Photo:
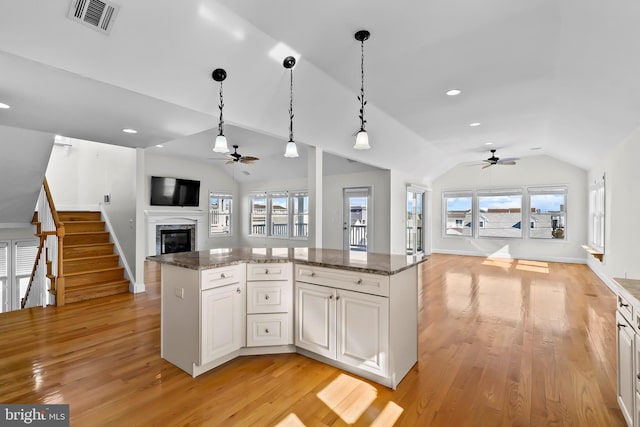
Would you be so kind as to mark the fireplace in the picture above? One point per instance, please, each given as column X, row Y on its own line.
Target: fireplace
column 172, row 241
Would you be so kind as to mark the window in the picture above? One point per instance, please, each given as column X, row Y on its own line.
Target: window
column 547, row 211
column 279, row 214
column 17, row 258
column 258, row 215
column 597, row 215
column 220, row 205
column 5, row 299
column 458, row 215
column 501, row 212
column 300, row 214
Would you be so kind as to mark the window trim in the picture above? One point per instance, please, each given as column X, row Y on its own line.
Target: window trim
column 552, row 189
column 292, row 214
column 457, row 194
column 268, row 196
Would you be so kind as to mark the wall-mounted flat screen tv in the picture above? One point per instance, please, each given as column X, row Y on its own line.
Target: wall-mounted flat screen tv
column 174, row 192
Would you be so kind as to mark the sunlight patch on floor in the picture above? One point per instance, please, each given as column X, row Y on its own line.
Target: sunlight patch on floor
column 291, row 420
column 348, row 397
column 499, row 262
column 533, row 266
column 388, row 416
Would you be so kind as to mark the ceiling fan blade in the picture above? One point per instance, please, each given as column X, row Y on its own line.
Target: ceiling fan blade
column 229, row 162
column 250, row 158
column 487, row 165
column 511, row 163
column 508, row 159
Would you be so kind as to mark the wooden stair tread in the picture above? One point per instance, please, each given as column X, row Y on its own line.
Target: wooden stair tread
column 108, row 283
column 97, row 270
column 77, row 245
column 91, row 257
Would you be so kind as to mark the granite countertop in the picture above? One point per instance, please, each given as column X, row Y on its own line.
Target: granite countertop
column 368, row 262
column 631, row 286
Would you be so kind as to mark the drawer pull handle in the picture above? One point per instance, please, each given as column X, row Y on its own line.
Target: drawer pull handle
column 222, row 275
column 266, row 271
column 238, row 290
column 266, row 297
column 266, row 331
column 623, row 304
column 620, row 325
column 359, row 282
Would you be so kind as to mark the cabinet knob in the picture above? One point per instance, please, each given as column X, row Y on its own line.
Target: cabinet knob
column 359, row 282
column 222, row 275
column 266, row 271
column 266, row 297
column 620, row 325
column 338, row 297
column 638, row 376
column 313, row 274
column 238, row 290
column 266, row 331
column 330, row 296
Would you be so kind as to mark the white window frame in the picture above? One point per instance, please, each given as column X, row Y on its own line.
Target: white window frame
column 293, row 214
column 536, row 191
column 457, row 194
column 513, row 191
column 252, row 198
column 221, row 195
column 270, row 223
column 20, row 258
column 597, row 215
column 268, row 196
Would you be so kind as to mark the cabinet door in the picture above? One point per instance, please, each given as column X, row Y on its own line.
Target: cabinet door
column 316, row 319
column 222, row 322
column 626, row 377
column 363, row 331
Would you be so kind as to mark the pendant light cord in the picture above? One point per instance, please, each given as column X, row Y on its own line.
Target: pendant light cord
column 291, row 108
column 220, row 106
column 361, row 97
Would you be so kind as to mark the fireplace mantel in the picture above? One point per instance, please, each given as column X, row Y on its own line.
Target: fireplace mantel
column 168, row 217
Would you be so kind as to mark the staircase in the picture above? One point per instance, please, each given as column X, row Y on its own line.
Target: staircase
column 91, row 267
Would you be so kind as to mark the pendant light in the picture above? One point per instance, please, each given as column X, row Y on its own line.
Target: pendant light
column 362, row 138
column 291, row 150
column 220, row 146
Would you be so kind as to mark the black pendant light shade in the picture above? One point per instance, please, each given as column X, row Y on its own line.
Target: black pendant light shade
column 219, row 75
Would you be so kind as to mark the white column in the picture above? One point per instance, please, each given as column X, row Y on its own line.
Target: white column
column 315, row 196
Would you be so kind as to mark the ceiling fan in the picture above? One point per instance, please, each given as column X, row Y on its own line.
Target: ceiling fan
column 493, row 160
column 236, row 157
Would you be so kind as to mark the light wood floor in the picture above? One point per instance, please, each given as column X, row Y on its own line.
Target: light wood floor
column 502, row 342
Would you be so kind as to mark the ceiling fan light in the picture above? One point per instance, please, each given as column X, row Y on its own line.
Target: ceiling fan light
column 291, row 150
column 221, row 144
column 362, row 141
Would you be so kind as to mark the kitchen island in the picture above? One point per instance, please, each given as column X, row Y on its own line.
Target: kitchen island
column 357, row 311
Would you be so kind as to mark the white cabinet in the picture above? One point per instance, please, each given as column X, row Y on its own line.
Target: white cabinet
column 222, row 321
column 361, row 322
column 363, row 331
column 625, row 338
column 316, row 319
column 350, row 327
column 269, row 304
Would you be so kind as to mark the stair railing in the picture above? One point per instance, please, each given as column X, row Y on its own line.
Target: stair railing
column 48, row 267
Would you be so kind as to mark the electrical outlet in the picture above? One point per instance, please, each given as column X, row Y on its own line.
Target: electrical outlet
column 180, row 293
column 107, row 198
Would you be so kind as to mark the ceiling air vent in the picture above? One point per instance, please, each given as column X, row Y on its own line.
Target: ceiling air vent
column 96, row 14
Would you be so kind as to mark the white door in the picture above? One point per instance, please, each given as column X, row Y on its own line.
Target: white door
column 626, row 379
column 223, row 321
column 363, row 331
column 357, row 219
column 316, row 319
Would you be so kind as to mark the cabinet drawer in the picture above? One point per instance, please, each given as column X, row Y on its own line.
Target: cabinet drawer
column 625, row 308
column 273, row 271
column 268, row 329
column 344, row 279
column 269, row 297
column 221, row 276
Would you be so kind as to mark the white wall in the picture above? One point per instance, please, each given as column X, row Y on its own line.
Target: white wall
column 211, row 177
column 80, row 175
column 622, row 233
column 379, row 181
column 530, row 171
column 266, row 242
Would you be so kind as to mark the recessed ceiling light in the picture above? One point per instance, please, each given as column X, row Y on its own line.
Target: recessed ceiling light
column 488, row 143
column 454, row 92
column 2, row 105
column 474, row 124
column 536, row 148
column 160, row 146
column 129, row 130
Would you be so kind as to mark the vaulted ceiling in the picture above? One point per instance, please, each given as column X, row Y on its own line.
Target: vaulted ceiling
column 541, row 77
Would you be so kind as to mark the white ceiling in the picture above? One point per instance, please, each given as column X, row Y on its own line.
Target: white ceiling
column 561, row 76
